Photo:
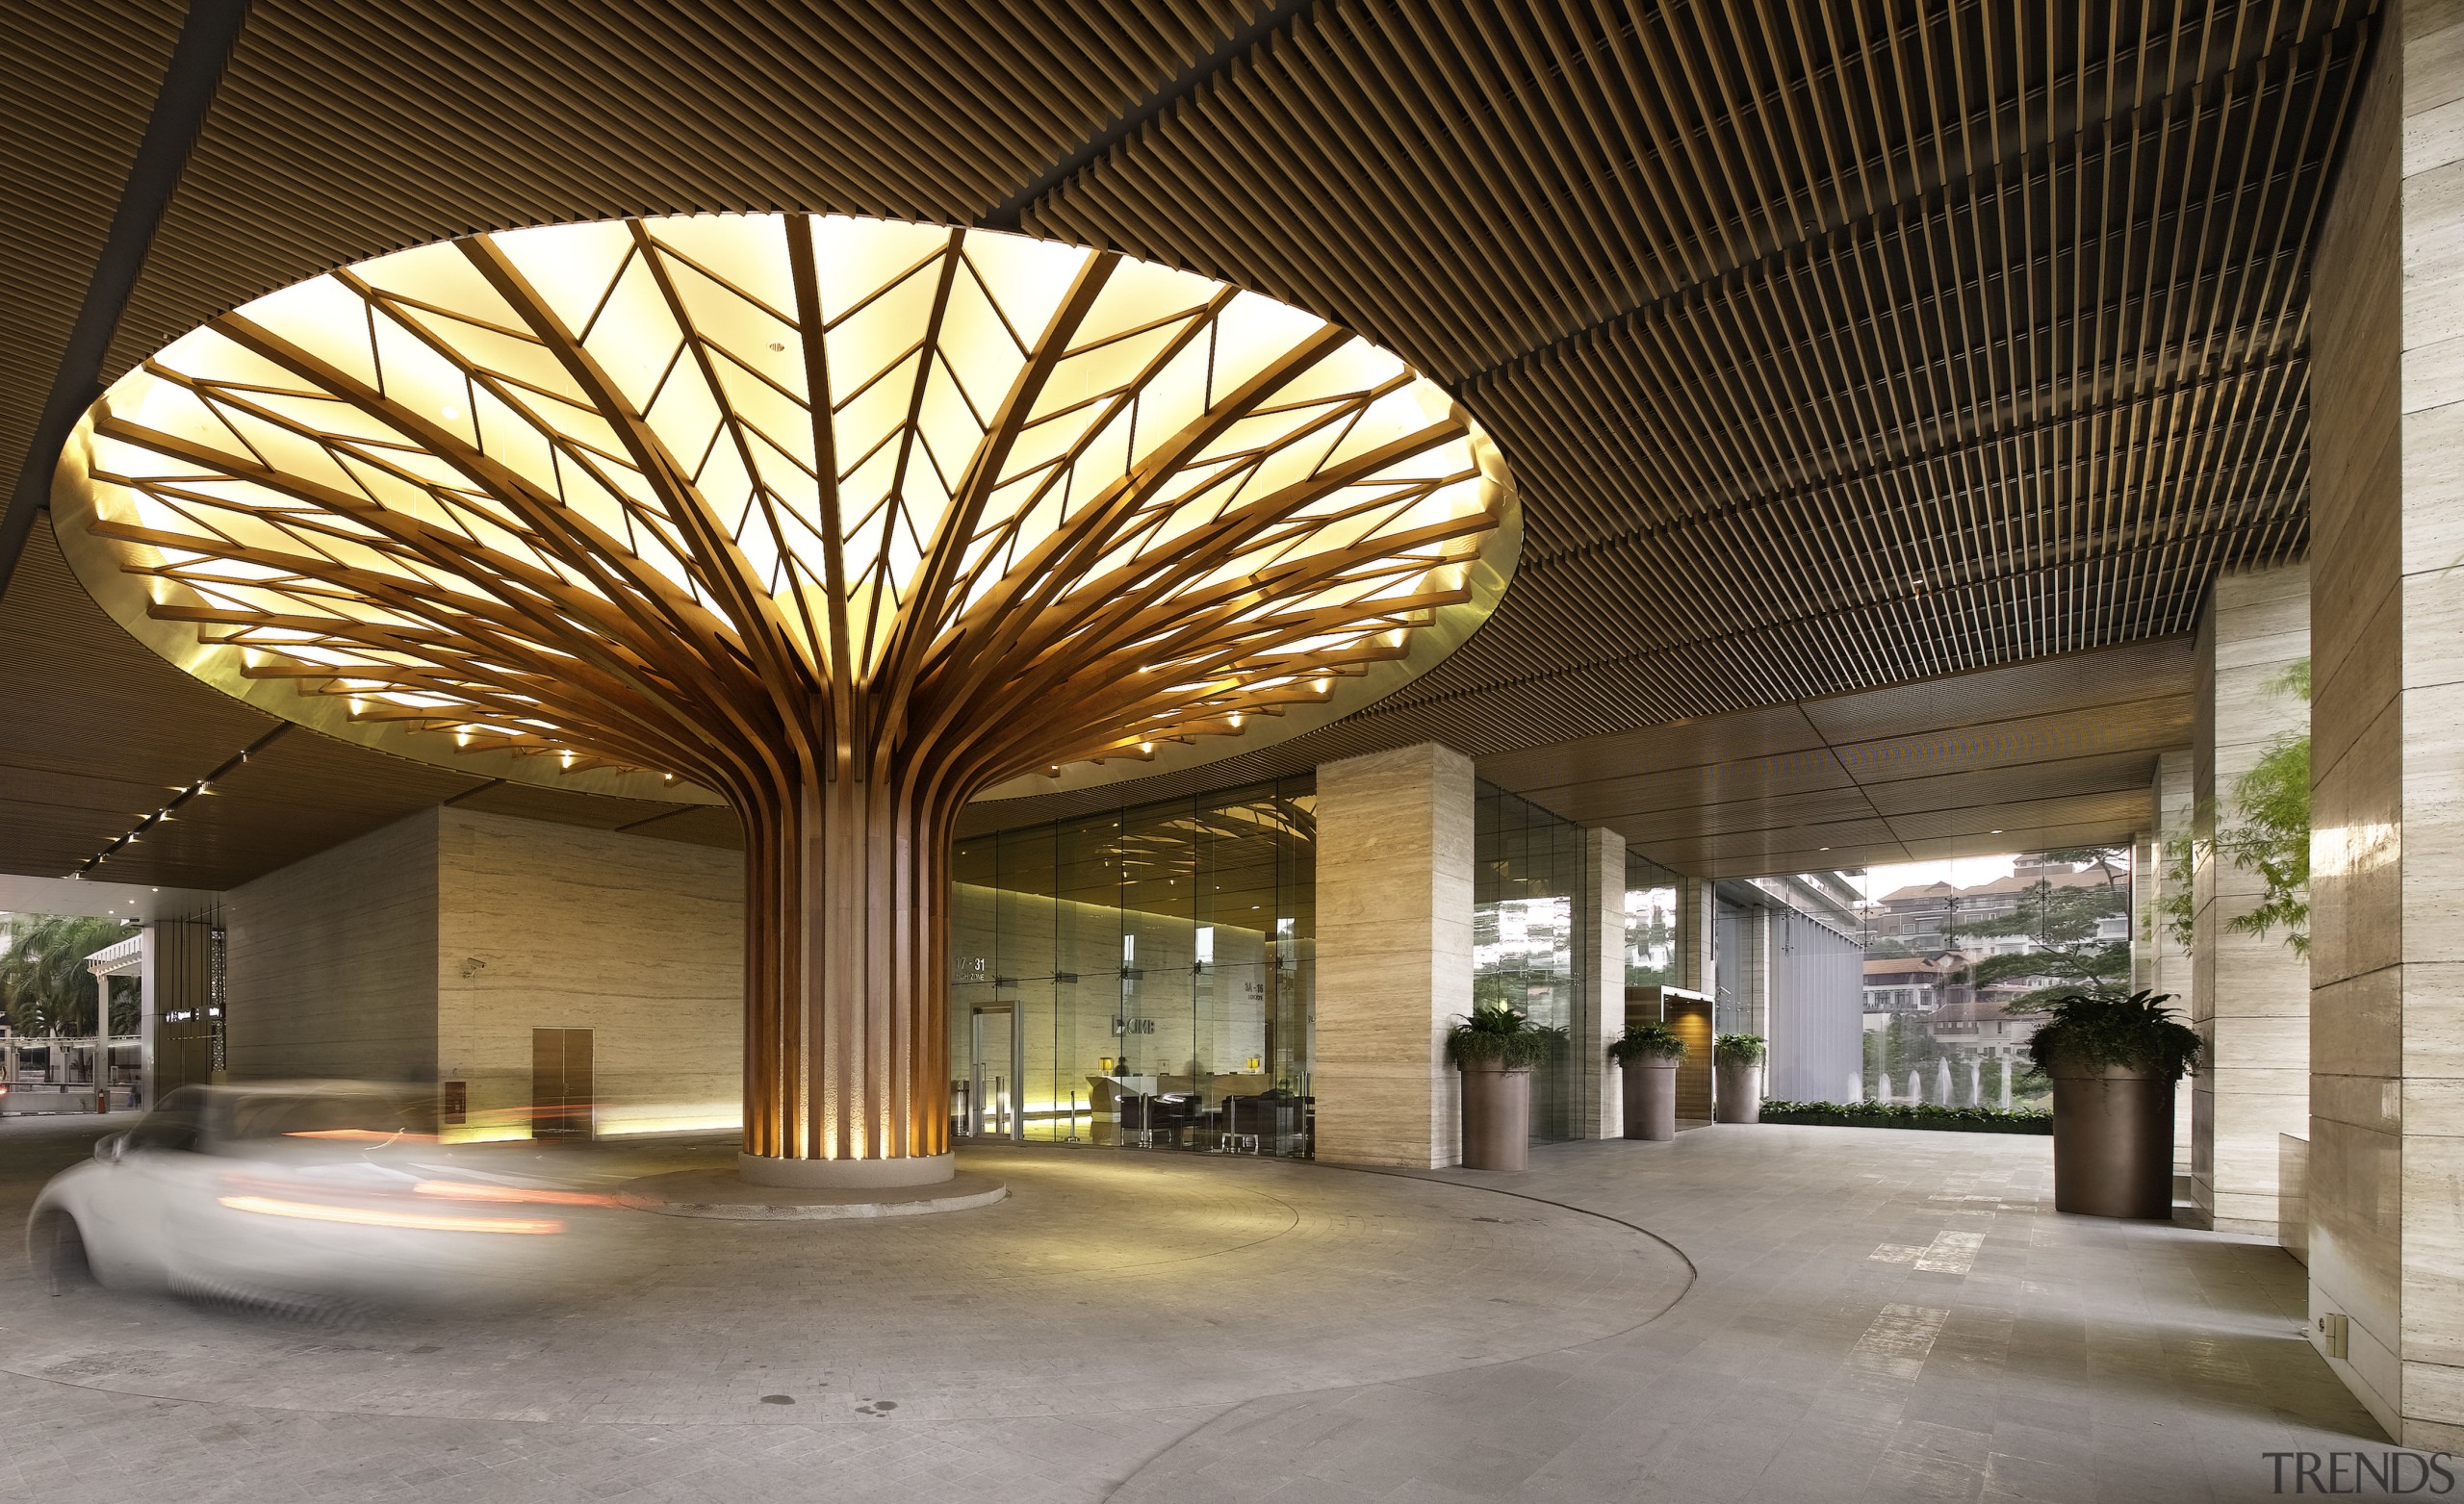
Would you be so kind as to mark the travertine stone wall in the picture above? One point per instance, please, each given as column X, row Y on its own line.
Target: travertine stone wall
column 1697, row 916
column 2387, row 846
column 331, row 963
column 1394, row 954
column 2249, row 995
column 1599, row 1106
column 2158, row 964
column 639, row 941
column 429, row 950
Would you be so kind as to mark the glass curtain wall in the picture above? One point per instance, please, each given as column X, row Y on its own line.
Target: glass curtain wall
column 1142, row 978
column 1651, row 925
column 1526, row 952
column 1731, row 949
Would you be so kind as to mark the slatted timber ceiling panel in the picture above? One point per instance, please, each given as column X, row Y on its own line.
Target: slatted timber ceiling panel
column 79, row 83
column 1836, row 343
column 99, row 734
column 348, row 129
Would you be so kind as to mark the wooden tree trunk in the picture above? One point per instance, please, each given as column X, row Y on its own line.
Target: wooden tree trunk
column 846, row 1079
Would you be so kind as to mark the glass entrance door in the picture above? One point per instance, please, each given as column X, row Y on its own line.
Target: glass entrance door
column 997, row 1074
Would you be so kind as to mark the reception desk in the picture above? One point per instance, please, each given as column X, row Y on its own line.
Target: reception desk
column 1242, row 1113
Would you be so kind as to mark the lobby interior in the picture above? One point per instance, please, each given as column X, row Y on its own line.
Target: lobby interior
column 1602, row 462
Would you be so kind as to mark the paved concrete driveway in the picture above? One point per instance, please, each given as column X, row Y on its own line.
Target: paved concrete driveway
column 1747, row 1313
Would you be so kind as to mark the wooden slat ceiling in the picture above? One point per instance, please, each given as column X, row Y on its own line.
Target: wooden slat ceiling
column 1836, row 343
column 101, row 734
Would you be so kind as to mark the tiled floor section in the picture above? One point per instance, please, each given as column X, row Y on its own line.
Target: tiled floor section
column 1882, row 1316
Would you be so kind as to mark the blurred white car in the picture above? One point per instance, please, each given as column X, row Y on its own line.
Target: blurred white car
column 299, row 1194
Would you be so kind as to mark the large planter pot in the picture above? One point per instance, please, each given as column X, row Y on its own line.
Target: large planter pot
column 1651, row 1098
column 1497, row 1115
column 2113, row 1142
column 1738, row 1097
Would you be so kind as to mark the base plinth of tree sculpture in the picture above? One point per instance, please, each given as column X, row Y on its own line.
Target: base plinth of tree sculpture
column 840, row 522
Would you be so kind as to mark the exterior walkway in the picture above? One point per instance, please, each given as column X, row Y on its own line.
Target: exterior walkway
column 1813, row 1314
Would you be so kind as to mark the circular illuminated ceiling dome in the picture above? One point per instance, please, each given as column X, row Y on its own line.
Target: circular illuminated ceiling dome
column 645, row 506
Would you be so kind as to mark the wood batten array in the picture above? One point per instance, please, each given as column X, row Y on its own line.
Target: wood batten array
column 1846, row 343
column 1835, row 344
column 842, row 522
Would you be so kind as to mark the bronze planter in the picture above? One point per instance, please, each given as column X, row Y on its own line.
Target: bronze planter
column 1738, row 1097
column 1497, row 1115
column 1651, row 1098
column 2113, row 1142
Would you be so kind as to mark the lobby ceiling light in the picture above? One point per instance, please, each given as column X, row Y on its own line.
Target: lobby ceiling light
column 743, row 501
column 170, row 811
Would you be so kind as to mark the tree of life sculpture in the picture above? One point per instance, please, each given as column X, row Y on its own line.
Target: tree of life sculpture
column 841, row 521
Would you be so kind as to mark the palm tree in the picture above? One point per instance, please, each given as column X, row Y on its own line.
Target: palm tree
column 46, row 989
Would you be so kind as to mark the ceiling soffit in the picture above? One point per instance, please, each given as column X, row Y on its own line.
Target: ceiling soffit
column 1835, row 346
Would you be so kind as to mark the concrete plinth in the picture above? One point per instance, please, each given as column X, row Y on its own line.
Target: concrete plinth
column 761, row 1169
column 729, row 1197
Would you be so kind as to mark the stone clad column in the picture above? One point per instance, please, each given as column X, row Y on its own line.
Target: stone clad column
column 2249, row 995
column 1599, row 1012
column 2387, row 822
column 2158, row 964
column 1394, row 954
column 1697, row 916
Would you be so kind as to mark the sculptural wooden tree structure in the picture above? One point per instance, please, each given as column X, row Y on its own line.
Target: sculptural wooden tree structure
column 843, row 522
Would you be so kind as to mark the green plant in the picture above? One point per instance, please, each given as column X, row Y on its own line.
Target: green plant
column 2268, row 835
column 1658, row 1041
column 2178, row 908
column 2137, row 1031
column 2274, row 839
column 1739, row 1049
column 1905, row 1114
column 1500, row 1034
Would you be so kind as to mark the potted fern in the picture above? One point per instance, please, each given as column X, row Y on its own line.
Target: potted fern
column 1736, row 1062
column 1650, row 1054
column 2114, row 1062
column 1496, row 1049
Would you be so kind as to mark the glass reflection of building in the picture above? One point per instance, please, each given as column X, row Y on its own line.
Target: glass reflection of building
column 1651, row 924
column 1141, row 978
column 1527, row 951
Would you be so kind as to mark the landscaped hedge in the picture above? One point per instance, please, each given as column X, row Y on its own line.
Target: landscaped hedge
column 1904, row 1114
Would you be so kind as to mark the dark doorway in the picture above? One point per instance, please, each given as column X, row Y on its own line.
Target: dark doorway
column 561, row 1084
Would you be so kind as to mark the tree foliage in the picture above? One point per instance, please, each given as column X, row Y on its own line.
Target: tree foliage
column 2272, row 841
column 2068, row 955
column 44, row 986
column 2265, row 831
